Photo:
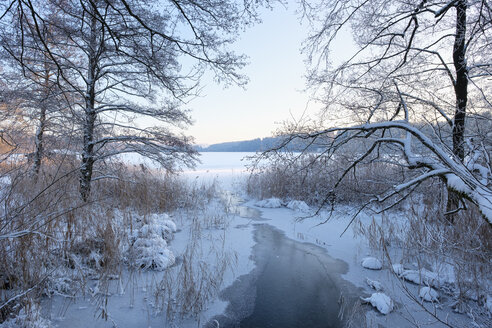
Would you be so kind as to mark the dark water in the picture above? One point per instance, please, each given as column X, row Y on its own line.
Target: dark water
column 294, row 285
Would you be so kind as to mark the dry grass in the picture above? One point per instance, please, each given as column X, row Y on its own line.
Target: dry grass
column 465, row 245
column 314, row 179
column 52, row 242
column 459, row 253
column 187, row 288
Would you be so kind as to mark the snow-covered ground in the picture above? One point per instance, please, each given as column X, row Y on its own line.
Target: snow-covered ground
column 230, row 232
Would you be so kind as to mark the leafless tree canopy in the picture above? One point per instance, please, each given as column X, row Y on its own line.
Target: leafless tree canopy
column 118, row 61
column 418, row 86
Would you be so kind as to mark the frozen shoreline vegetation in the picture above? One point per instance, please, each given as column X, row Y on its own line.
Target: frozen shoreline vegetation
column 175, row 250
column 119, row 249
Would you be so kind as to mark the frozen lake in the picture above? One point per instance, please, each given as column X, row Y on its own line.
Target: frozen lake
column 227, row 168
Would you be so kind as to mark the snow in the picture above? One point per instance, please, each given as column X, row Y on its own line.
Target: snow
column 372, row 263
column 295, row 205
column 229, row 168
column 298, row 205
column 269, row 203
column 420, row 277
column 158, row 225
column 381, row 302
column 237, row 237
column 376, row 285
column 488, row 304
column 32, row 320
column 170, row 224
column 398, row 269
column 5, row 180
column 428, row 294
column 149, row 249
column 481, row 195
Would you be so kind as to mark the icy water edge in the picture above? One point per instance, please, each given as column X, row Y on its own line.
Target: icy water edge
column 294, row 284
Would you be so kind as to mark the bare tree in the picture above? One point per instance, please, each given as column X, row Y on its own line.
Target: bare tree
column 34, row 96
column 417, row 85
column 126, row 59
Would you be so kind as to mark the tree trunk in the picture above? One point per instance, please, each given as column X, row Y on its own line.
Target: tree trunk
column 90, row 115
column 38, row 153
column 461, row 93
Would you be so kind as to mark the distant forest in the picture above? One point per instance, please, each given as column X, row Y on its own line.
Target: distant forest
column 258, row 145
column 253, row 145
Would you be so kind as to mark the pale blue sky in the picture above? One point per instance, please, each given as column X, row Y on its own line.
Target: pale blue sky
column 276, row 82
column 274, row 91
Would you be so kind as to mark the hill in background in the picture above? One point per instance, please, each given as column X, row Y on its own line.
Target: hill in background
column 256, row 145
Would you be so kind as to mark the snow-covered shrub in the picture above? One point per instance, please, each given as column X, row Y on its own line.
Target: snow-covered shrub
column 152, row 253
column 160, row 225
column 421, row 277
column 149, row 249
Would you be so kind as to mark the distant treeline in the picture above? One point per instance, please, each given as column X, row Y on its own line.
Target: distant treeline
column 254, row 145
column 258, row 145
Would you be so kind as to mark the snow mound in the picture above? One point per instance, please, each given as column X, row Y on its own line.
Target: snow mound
column 421, row 277
column 298, row 205
column 163, row 228
column 152, row 253
column 149, row 249
column 380, row 301
column 170, row 224
column 429, row 294
column 269, row 203
column 374, row 284
column 398, row 269
column 488, row 304
column 372, row 263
